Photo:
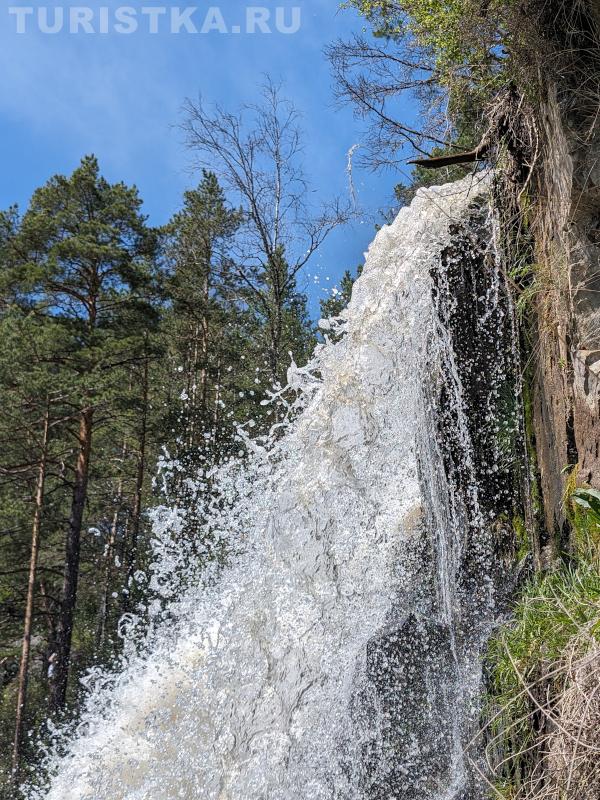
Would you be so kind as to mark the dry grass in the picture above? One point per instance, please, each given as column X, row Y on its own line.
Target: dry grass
column 573, row 745
column 542, row 737
column 559, row 756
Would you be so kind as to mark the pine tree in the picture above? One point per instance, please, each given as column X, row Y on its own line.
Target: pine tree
column 339, row 298
column 285, row 318
column 203, row 289
column 81, row 259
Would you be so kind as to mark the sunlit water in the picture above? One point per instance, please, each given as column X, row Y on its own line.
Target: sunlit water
column 254, row 683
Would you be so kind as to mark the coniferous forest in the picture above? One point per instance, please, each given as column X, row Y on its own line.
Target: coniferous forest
column 121, row 346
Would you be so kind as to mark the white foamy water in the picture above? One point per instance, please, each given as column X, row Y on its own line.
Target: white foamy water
column 246, row 689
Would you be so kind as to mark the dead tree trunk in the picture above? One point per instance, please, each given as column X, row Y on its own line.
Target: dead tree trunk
column 436, row 162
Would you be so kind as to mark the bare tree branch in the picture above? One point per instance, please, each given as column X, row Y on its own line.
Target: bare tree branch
column 257, row 154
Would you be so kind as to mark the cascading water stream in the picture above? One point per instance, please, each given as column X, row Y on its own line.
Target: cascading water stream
column 330, row 656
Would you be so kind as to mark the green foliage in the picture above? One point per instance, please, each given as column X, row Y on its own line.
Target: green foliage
column 454, row 57
column 283, row 314
column 589, row 499
column 459, row 33
column 458, row 40
column 339, row 298
column 203, row 291
column 583, row 506
column 551, row 611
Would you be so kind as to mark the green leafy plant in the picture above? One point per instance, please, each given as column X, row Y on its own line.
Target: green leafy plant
column 589, row 499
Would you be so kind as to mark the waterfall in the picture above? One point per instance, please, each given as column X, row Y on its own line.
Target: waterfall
column 331, row 650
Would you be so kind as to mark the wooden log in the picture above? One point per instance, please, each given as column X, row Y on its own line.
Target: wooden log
column 436, row 162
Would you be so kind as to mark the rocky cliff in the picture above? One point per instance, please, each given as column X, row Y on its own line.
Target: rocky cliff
column 567, row 250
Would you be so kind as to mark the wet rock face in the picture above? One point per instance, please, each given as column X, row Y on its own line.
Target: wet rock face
column 484, row 456
column 472, row 304
column 413, row 672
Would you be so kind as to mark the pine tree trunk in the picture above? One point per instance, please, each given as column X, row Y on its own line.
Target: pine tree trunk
column 109, row 556
column 199, row 366
column 28, row 621
column 49, row 617
column 108, row 562
column 204, row 373
column 217, row 409
column 139, row 489
column 192, row 385
column 60, row 667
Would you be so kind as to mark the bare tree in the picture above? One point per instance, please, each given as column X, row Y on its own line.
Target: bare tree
column 372, row 76
column 257, row 154
column 401, row 61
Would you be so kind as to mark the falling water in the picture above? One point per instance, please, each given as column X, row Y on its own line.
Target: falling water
column 328, row 651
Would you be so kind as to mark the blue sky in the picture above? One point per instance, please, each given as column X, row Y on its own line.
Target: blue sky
column 119, row 96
